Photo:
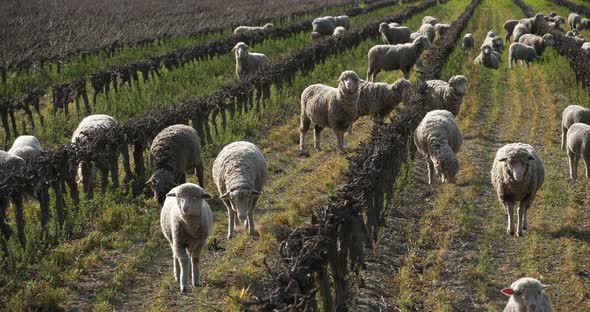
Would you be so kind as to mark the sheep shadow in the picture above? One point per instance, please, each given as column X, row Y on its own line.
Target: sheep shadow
column 568, row 231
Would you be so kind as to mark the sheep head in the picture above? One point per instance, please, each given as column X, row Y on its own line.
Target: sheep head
column 548, row 39
column 402, row 89
column 241, row 201
column 491, row 34
column 516, row 163
column 383, row 27
column 553, row 14
column 268, row 26
column 315, row 35
column 486, row 50
column 189, row 198
column 527, row 292
column 459, row 84
column 241, row 50
column 348, row 82
column 446, row 164
column 161, row 182
column 423, row 43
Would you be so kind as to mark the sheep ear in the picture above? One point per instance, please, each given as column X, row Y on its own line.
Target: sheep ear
column 150, row 181
column 171, row 194
column 257, row 193
column 206, row 195
column 531, row 157
column 502, row 159
column 544, row 286
column 507, row 291
column 225, row 195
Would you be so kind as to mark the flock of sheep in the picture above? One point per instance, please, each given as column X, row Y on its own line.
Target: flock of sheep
column 240, row 169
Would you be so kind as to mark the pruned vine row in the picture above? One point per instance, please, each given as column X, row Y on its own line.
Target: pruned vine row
column 580, row 9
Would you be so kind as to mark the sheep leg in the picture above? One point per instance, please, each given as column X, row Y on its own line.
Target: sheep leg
column 4, row 227
column 250, row 220
column 195, row 259
column 17, row 201
column 303, row 128
column 406, row 72
column 104, row 172
column 510, row 210
column 88, row 180
column 231, row 215
column 586, row 158
column 317, row 130
column 563, row 137
column 524, row 204
column 573, row 162
column 176, row 265
column 431, row 171
column 200, row 173
column 115, row 172
column 182, row 257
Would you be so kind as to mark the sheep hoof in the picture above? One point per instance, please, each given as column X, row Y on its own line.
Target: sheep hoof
column 510, row 232
column 230, row 235
column 183, row 289
column 197, row 284
column 520, row 234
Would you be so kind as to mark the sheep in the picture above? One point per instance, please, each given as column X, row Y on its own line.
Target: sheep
column 539, row 43
column 586, row 46
column 573, row 33
column 186, row 220
column 441, row 29
column 323, row 26
column 239, row 172
column 429, row 20
column 509, row 27
column 379, row 99
column 573, row 20
column 446, row 95
column 527, row 294
column 10, row 166
column 427, row 31
column 247, row 29
column 394, row 35
column 517, row 174
column 530, row 23
column 488, row 57
column 571, row 115
column 519, row 31
column 519, row 51
column 174, row 150
column 329, row 107
column 343, row 21
column 553, row 14
column 396, row 57
column 414, row 35
column 578, row 146
column 247, row 62
column 438, row 139
column 585, row 24
column 468, row 42
column 93, row 126
column 494, row 41
column 338, row 31
column 27, row 147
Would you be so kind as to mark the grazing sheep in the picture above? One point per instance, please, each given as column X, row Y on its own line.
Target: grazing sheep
column 446, row 95
column 573, row 33
column 394, row 35
column 571, row 115
column 414, row 35
column 519, row 51
column 427, row 31
column 429, row 20
column 509, row 27
column 343, row 21
column 488, row 57
column 92, row 126
column 247, row 62
column 517, row 174
column 396, row 57
column 539, row 43
column 438, row 139
column 586, row 46
column 186, row 221
column 441, row 29
column 379, row 99
column 174, row 150
column 531, row 22
column 556, row 23
column 26, row 147
column 240, row 171
column 578, row 146
column 573, row 20
column 12, row 165
column 494, row 41
column 247, row 29
column 527, row 294
column 585, row 24
column 468, row 42
column 338, row 31
column 394, row 25
column 519, row 31
column 328, row 107
column 323, row 26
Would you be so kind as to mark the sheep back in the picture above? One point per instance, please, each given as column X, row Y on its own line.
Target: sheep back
column 239, row 166
column 504, row 184
column 428, row 31
column 93, row 124
column 27, row 147
column 575, row 114
column 176, row 149
column 327, row 107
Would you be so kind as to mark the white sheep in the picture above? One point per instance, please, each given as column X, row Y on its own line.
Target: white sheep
column 571, row 115
column 427, row 31
column 527, row 294
column 329, row 107
column 446, row 95
column 585, row 24
column 394, row 34
column 578, row 146
column 519, row 51
column 539, row 43
column 531, row 22
column 441, row 29
column 488, row 57
column 343, row 21
column 323, row 26
column 338, row 31
column 396, row 57
column 495, row 42
column 247, row 29
column 438, row 139
column 429, row 20
column 239, row 172
column 186, row 220
column 27, row 147
column 573, row 20
column 379, row 99
column 12, row 166
column 247, row 62
column 509, row 27
column 468, row 42
column 174, row 150
column 517, row 174
column 519, row 30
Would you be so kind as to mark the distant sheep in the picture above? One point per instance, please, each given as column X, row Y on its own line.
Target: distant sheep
column 174, row 150
column 379, row 99
column 394, row 35
column 26, row 147
column 329, row 107
column 429, row 20
column 494, row 41
column 240, row 172
column 438, row 139
column 519, row 31
column 509, row 27
column 573, row 20
column 441, row 29
column 338, row 31
column 396, row 57
column 427, row 31
column 11, row 164
column 342, row 21
column 446, row 95
column 517, row 174
column 585, row 24
column 186, row 220
column 322, row 26
column 527, row 294
column 468, row 42
column 519, row 51
column 586, row 46
column 247, row 62
column 247, row 29
column 571, row 115
column 488, row 57
column 578, row 146
column 531, row 23
column 539, row 43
